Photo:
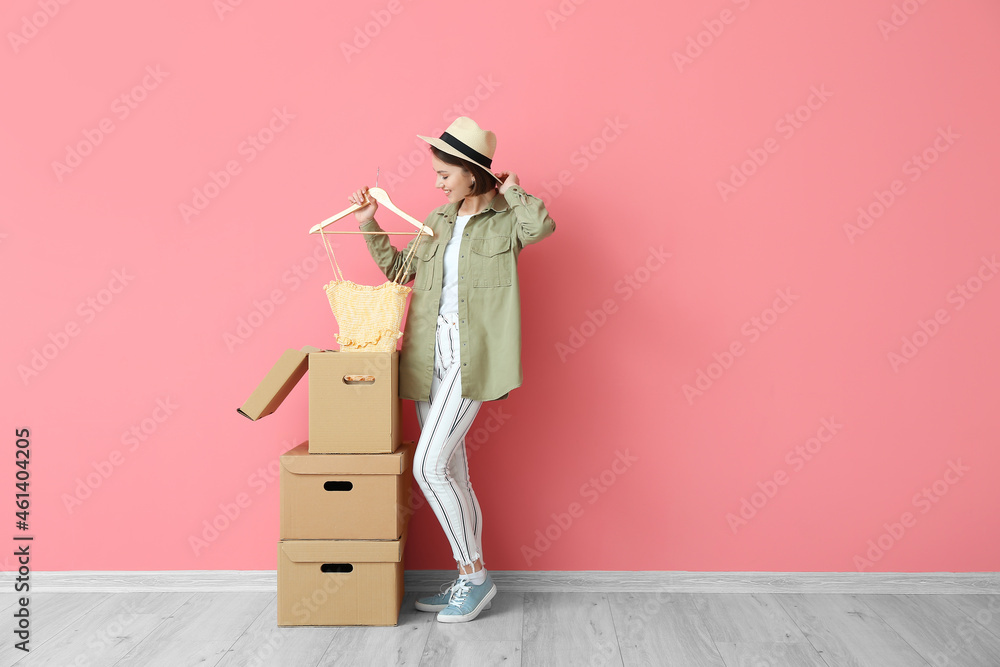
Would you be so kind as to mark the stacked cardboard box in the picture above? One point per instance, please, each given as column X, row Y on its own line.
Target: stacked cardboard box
column 344, row 513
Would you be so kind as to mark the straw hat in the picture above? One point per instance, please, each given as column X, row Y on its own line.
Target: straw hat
column 465, row 139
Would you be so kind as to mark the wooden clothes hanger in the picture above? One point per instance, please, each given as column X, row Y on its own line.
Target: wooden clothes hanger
column 382, row 197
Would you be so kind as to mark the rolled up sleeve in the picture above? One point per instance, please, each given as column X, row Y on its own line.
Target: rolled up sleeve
column 532, row 221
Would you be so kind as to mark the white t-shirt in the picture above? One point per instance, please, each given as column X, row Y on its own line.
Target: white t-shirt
column 449, row 290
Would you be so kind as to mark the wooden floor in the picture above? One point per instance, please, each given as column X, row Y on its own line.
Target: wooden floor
column 177, row 629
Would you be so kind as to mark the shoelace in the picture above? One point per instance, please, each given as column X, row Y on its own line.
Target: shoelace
column 446, row 588
column 460, row 591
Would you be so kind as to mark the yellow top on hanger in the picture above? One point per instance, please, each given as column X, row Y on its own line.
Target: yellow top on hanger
column 369, row 317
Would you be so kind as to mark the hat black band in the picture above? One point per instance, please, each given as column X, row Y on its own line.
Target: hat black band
column 458, row 145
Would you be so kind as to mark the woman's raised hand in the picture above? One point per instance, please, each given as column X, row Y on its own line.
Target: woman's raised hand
column 366, row 212
column 507, row 179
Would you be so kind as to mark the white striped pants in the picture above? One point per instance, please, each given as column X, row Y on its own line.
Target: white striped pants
column 440, row 465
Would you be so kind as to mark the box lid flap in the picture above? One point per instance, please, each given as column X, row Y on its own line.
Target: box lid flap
column 345, row 551
column 277, row 384
column 299, row 461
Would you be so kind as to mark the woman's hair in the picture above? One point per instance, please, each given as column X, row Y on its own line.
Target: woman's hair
column 484, row 180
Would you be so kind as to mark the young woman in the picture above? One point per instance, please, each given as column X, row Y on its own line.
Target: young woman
column 462, row 340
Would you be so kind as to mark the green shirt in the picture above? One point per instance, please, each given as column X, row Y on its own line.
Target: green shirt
column 489, row 303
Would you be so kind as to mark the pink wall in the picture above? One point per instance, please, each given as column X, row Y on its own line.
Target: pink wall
column 850, row 368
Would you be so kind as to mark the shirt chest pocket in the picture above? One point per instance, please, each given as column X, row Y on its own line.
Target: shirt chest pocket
column 492, row 261
column 424, row 264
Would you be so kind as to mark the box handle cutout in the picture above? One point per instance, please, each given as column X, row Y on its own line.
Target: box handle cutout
column 359, row 379
column 338, row 486
column 336, row 567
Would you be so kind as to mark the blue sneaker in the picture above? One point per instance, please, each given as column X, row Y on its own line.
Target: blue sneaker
column 440, row 601
column 467, row 600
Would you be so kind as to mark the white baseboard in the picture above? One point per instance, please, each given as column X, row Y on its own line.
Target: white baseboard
column 538, row 581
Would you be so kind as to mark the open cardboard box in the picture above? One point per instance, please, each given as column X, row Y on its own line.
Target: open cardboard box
column 353, row 398
column 340, row 582
column 345, row 496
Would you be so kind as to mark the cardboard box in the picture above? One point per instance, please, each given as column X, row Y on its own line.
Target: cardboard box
column 340, row 582
column 353, row 398
column 354, row 402
column 345, row 496
column 277, row 384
